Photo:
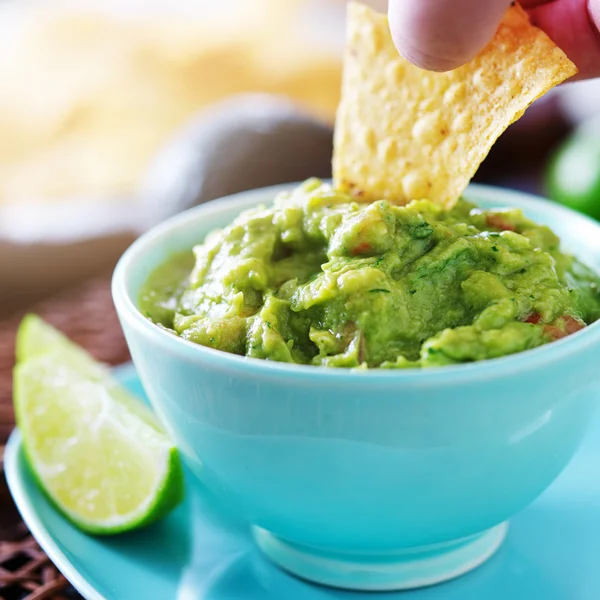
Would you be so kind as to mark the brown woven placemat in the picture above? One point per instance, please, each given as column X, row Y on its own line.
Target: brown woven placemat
column 86, row 314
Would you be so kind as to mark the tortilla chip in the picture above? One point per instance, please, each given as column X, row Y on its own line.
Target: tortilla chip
column 403, row 133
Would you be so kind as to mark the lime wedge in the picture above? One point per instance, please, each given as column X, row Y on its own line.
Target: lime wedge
column 36, row 338
column 98, row 453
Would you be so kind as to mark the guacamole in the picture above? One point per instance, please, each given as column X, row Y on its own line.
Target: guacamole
column 320, row 278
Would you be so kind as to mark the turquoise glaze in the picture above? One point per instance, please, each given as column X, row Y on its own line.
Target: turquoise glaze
column 370, row 471
column 203, row 552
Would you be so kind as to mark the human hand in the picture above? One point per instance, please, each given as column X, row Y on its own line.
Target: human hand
column 440, row 35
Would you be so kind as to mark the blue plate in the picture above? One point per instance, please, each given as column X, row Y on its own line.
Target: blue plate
column 200, row 552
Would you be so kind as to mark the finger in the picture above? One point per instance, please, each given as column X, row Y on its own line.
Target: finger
column 440, row 35
column 533, row 3
column 574, row 25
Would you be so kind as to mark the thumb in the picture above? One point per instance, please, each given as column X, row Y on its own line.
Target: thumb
column 441, row 35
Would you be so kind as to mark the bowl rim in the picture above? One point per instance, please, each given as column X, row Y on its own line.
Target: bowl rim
column 486, row 369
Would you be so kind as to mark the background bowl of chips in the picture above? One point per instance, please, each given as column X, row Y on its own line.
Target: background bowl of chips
column 97, row 91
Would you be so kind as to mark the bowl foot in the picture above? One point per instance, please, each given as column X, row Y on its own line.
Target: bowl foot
column 398, row 570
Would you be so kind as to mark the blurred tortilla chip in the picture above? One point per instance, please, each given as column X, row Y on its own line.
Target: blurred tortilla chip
column 403, row 133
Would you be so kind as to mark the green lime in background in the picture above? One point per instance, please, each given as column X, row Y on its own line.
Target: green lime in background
column 573, row 176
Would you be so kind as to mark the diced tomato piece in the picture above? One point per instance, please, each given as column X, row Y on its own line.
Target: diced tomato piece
column 362, row 248
column 533, row 318
column 572, row 324
column 554, row 332
column 497, row 222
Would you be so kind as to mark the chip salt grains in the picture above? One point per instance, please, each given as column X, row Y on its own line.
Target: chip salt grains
column 403, row 133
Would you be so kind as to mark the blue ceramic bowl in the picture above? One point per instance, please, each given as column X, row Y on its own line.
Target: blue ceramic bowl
column 367, row 479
